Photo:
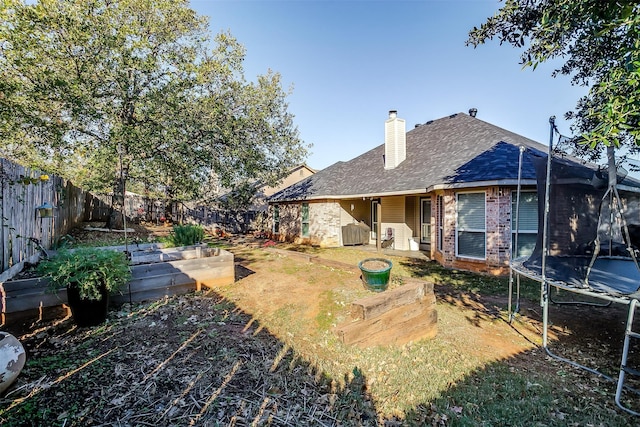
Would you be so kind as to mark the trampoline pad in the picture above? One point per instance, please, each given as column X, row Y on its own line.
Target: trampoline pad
column 611, row 275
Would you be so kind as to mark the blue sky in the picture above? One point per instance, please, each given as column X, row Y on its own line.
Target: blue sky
column 350, row 62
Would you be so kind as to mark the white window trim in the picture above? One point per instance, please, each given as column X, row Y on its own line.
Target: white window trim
column 374, row 225
column 422, row 201
column 513, row 219
column 472, row 230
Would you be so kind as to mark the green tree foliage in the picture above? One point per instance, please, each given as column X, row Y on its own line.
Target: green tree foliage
column 599, row 44
column 96, row 90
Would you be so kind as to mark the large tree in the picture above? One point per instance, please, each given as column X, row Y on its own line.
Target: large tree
column 598, row 43
column 113, row 91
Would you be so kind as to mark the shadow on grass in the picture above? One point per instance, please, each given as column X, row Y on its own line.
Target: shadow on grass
column 200, row 360
column 185, row 360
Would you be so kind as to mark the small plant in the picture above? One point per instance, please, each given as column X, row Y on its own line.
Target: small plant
column 88, row 270
column 185, row 235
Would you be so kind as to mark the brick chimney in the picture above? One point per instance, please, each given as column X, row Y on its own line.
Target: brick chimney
column 395, row 141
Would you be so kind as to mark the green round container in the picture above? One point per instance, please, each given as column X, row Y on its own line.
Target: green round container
column 376, row 280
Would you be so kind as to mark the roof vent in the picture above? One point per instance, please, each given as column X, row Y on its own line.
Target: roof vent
column 473, row 112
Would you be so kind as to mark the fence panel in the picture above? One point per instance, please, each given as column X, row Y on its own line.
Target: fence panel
column 22, row 190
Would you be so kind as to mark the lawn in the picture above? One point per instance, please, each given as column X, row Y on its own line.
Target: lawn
column 264, row 351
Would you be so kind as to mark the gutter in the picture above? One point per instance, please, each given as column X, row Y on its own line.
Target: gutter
column 505, row 182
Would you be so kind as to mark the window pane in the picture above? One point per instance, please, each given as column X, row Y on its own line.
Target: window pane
column 305, row 212
column 526, row 243
column 426, row 211
column 305, row 229
column 528, row 212
column 471, row 211
column 471, row 244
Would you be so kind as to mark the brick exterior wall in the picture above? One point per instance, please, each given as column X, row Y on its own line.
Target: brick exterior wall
column 325, row 229
column 498, row 233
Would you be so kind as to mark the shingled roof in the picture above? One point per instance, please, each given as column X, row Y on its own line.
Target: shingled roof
column 455, row 151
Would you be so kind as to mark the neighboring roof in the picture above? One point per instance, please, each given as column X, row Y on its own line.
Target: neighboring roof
column 261, row 189
column 454, row 151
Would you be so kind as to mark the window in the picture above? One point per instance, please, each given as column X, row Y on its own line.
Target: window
column 305, row 219
column 470, row 229
column 374, row 219
column 440, row 219
column 527, row 223
column 425, row 221
column 276, row 218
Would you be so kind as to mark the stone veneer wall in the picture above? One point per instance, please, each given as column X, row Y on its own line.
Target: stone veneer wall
column 324, row 223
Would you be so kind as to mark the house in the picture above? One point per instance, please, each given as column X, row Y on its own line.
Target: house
column 296, row 174
column 244, row 210
column 446, row 187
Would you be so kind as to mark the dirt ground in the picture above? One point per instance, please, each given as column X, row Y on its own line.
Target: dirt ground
column 209, row 359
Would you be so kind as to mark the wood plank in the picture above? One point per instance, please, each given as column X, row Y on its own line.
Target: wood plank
column 33, row 299
column 375, row 305
column 17, row 285
column 408, row 322
column 140, row 295
column 421, row 327
column 144, row 270
column 384, row 321
column 299, row 255
column 336, row 264
column 212, row 278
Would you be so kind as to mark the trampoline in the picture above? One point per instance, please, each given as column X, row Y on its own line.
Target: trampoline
column 583, row 245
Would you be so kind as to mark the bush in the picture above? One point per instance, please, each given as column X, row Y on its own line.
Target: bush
column 185, row 235
column 87, row 270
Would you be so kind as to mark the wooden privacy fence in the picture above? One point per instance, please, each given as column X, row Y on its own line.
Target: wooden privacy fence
column 22, row 229
column 22, row 190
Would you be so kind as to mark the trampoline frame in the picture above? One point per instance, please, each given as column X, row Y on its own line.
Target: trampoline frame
column 518, row 269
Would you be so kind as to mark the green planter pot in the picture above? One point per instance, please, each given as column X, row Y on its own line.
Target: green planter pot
column 375, row 277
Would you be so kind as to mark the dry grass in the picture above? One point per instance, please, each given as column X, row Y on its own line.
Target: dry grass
column 263, row 352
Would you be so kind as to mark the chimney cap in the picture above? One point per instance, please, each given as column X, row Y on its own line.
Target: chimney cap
column 393, row 114
column 473, row 112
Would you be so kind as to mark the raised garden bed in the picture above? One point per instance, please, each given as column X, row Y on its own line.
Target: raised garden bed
column 156, row 272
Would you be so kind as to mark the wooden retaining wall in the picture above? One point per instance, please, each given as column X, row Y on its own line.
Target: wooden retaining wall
column 393, row 317
column 398, row 316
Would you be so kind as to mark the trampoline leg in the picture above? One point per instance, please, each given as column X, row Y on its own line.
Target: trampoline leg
column 628, row 334
column 509, row 313
column 544, row 303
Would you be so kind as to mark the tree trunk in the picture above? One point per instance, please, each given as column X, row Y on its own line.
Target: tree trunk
column 169, row 202
column 116, row 213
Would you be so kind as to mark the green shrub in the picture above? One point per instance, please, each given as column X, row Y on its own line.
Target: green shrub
column 185, row 235
column 87, row 270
